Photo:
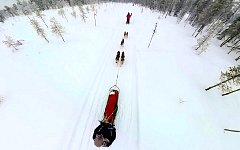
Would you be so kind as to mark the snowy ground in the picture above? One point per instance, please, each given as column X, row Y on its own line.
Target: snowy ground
column 54, row 94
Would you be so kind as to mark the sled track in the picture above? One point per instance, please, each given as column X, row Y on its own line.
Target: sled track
column 129, row 112
column 127, row 118
column 91, row 98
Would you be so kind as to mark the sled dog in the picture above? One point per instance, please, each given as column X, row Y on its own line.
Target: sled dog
column 117, row 56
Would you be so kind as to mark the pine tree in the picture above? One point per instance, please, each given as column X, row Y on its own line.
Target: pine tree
column 39, row 4
column 162, row 6
column 92, row 6
column 234, row 33
column 56, row 28
column 40, row 15
column 237, row 58
column 24, row 7
column 214, row 11
column 9, row 10
column 87, row 8
column 235, row 47
column 94, row 14
column 2, row 17
column 170, row 6
column 178, row 7
column 61, row 4
column 230, row 81
column 14, row 44
column 204, row 42
column 73, row 13
column 82, row 13
column 62, row 13
column 232, row 85
column 40, row 31
column 15, row 10
column 78, row 2
column 186, row 7
column 229, row 28
column 195, row 11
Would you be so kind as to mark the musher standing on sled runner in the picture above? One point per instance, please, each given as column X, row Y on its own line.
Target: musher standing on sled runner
column 105, row 133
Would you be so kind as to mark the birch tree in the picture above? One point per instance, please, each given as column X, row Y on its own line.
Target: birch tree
column 73, row 13
column 82, row 13
column 61, row 12
column 56, row 28
column 40, row 15
column 40, row 31
column 203, row 42
column 229, row 81
column 14, row 44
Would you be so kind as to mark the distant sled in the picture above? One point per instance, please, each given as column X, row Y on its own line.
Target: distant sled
column 105, row 133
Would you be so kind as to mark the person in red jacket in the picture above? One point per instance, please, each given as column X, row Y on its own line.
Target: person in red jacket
column 128, row 17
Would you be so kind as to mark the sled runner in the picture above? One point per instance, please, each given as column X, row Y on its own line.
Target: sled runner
column 105, row 133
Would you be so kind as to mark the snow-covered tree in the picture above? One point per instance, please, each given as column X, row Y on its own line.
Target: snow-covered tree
column 229, row 29
column 170, row 6
column 93, row 7
column 237, row 58
column 229, row 81
column 24, row 7
column 87, row 8
column 62, row 13
column 2, row 16
column 185, row 9
column 162, row 6
column 232, row 85
column 61, row 3
column 234, row 32
column 40, row 31
column 82, row 13
column 15, row 9
column 9, row 10
column 40, row 15
column 203, row 42
column 196, row 9
column 14, row 44
column 73, row 13
column 179, row 4
column 39, row 4
column 70, row 3
column 56, row 28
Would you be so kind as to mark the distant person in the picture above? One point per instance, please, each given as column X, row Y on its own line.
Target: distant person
column 128, row 17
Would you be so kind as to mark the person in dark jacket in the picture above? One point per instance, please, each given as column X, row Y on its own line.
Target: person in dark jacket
column 128, row 17
column 104, row 134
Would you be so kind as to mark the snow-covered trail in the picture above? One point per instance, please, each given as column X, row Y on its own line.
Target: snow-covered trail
column 54, row 94
column 95, row 101
column 127, row 121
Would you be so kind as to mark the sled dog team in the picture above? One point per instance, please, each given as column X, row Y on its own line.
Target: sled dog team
column 105, row 133
column 119, row 55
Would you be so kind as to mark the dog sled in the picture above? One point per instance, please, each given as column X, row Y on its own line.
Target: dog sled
column 105, row 133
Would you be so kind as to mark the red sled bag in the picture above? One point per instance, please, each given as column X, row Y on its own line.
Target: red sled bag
column 105, row 133
column 112, row 105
